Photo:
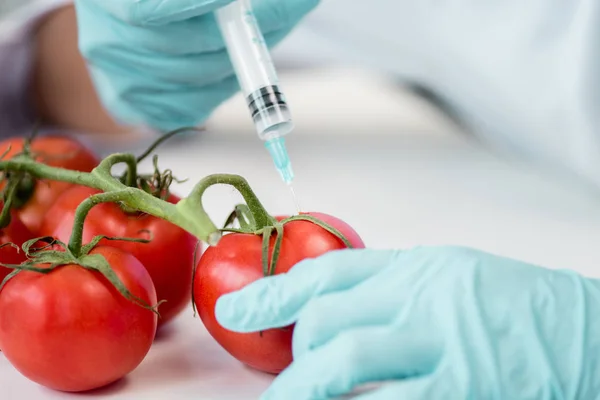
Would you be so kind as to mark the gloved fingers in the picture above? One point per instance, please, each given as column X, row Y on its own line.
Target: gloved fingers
column 276, row 301
column 274, row 15
column 155, row 12
column 195, row 70
column 353, row 358
column 325, row 317
column 146, row 71
column 192, row 36
column 164, row 92
column 172, row 109
column 154, row 54
column 186, row 38
column 271, row 14
column 393, row 296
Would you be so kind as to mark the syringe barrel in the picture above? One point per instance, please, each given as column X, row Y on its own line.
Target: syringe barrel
column 254, row 69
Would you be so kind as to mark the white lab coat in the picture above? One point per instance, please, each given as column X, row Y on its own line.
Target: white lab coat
column 521, row 75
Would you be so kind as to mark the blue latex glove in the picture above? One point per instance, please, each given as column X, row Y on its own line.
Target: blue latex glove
column 162, row 63
column 440, row 323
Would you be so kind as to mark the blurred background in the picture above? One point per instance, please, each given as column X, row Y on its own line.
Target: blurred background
column 8, row 5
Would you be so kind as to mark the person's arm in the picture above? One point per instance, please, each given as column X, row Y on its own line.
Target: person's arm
column 44, row 79
column 15, row 113
column 62, row 92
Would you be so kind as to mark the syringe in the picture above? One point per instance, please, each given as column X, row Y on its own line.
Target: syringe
column 258, row 80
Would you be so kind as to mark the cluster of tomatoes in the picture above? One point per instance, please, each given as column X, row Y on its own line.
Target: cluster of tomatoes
column 70, row 329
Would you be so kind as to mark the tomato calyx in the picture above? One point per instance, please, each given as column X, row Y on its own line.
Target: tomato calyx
column 159, row 182
column 53, row 254
column 244, row 215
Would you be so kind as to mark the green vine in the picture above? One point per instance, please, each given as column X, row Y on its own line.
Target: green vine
column 145, row 194
column 189, row 218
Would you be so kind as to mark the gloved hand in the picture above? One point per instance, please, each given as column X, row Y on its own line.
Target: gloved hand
column 439, row 322
column 162, row 63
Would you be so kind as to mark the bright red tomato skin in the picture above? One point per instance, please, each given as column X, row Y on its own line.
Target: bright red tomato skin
column 169, row 257
column 236, row 261
column 71, row 330
column 57, row 151
column 17, row 233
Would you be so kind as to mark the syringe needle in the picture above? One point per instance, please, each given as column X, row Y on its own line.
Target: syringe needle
column 295, row 198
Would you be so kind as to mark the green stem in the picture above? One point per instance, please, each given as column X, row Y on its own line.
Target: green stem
column 243, row 215
column 100, row 178
column 42, row 171
column 76, row 240
column 104, row 169
column 193, row 202
column 266, row 240
column 161, row 140
column 196, row 221
column 5, row 216
column 198, row 224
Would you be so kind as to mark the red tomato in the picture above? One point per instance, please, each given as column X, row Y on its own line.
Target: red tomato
column 17, row 234
column 56, row 151
column 71, row 330
column 169, row 258
column 236, row 261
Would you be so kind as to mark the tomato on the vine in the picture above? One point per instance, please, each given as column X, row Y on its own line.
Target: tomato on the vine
column 71, row 330
column 236, row 261
column 169, row 257
column 54, row 150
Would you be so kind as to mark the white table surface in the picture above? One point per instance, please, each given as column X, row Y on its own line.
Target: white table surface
column 400, row 175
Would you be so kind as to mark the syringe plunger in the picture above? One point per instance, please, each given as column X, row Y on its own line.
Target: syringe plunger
column 270, row 112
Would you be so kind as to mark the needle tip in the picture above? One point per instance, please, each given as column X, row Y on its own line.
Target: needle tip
column 295, row 198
